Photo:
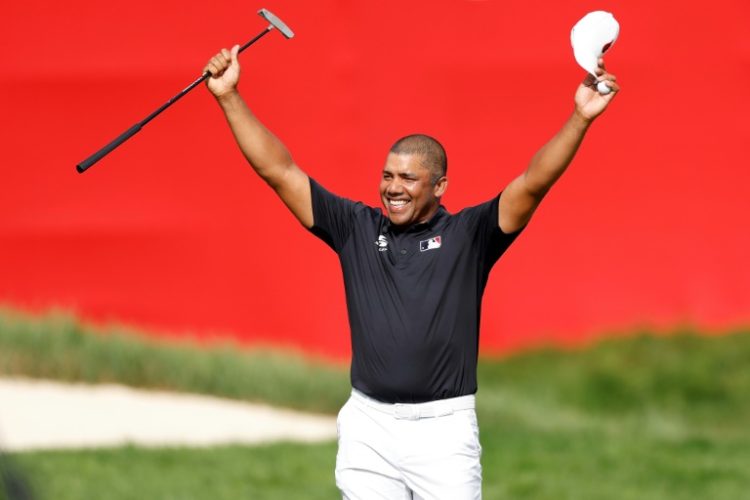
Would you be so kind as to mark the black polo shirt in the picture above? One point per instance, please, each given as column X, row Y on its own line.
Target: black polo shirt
column 413, row 295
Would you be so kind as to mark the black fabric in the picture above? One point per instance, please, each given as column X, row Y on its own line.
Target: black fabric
column 413, row 296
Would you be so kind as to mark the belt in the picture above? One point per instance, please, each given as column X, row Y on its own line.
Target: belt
column 416, row 411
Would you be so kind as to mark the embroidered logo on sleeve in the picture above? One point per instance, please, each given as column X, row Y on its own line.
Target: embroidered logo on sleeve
column 382, row 243
column 431, row 244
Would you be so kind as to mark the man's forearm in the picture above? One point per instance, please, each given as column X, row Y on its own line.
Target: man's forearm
column 552, row 159
column 263, row 150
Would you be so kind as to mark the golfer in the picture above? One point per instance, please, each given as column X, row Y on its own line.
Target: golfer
column 414, row 276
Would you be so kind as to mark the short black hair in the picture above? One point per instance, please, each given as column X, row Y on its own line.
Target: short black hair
column 432, row 153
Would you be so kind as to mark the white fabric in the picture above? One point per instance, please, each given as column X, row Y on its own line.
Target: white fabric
column 408, row 451
column 595, row 31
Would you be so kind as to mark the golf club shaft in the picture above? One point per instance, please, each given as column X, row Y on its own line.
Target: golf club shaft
column 88, row 162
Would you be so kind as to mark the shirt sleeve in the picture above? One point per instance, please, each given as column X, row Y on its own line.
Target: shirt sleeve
column 333, row 216
column 483, row 225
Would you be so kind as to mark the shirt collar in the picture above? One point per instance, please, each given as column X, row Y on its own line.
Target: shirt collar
column 431, row 224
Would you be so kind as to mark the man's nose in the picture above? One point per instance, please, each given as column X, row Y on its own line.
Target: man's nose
column 394, row 187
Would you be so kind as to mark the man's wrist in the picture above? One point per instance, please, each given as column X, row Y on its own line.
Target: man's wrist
column 580, row 120
column 229, row 98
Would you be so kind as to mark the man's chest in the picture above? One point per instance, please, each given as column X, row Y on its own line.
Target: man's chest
column 412, row 260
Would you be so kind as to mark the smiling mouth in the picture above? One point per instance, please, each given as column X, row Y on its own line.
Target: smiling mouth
column 397, row 204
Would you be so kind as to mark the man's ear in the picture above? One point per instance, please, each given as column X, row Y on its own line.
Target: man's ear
column 440, row 187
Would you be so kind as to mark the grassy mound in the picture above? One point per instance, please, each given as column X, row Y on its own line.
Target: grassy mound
column 641, row 417
column 57, row 346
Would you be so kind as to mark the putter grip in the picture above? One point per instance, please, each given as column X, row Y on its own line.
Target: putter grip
column 85, row 164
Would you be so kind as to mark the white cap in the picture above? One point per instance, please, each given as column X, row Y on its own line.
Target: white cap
column 592, row 36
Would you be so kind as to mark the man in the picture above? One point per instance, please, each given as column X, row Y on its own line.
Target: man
column 414, row 279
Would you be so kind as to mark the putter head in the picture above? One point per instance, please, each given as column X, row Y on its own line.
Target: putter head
column 276, row 22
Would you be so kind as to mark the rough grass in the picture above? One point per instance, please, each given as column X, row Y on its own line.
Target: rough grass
column 57, row 346
column 642, row 417
column 638, row 418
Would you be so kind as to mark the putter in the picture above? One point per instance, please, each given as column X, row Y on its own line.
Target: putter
column 274, row 21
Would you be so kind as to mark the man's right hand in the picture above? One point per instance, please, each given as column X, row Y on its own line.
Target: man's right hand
column 225, row 72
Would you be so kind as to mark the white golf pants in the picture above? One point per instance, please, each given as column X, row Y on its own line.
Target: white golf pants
column 408, row 451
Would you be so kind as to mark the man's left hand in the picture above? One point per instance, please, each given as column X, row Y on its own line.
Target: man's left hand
column 589, row 102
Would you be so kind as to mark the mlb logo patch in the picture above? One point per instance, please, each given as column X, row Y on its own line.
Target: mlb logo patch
column 430, row 244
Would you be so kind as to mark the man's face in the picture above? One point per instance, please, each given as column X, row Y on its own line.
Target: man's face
column 407, row 191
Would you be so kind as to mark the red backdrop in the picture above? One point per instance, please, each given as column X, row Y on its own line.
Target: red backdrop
column 174, row 232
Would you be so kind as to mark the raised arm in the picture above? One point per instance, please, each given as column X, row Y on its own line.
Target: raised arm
column 264, row 151
column 524, row 193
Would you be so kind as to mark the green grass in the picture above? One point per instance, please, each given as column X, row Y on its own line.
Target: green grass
column 642, row 417
column 57, row 346
column 277, row 472
column 639, row 418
